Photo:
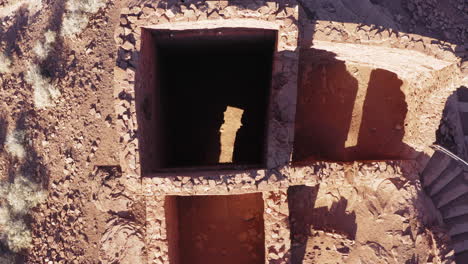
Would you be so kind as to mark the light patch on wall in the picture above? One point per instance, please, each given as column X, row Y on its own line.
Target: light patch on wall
column 228, row 130
column 356, row 116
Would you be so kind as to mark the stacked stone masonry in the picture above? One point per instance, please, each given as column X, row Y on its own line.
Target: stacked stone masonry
column 421, row 84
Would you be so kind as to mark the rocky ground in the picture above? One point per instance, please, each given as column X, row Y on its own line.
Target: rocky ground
column 373, row 218
column 70, row 143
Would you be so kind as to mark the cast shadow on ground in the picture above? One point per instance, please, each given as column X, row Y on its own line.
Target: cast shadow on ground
column 33, row 166
column 337, row 119
column 448, row 128
column 54, row 65
column 13, row 34
column 329, row 92
column 304, row 216
column 3, row 132
column 378, row 15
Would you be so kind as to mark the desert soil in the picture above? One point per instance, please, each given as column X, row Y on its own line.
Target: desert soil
column 88, row 217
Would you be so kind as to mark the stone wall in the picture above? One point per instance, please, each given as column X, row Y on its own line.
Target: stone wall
column 431, row 76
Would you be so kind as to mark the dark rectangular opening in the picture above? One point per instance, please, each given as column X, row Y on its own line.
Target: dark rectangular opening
column 226, row 229
column 206, row 97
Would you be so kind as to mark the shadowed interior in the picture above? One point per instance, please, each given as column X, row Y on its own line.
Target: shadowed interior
column 197, row 75
column 216, row 229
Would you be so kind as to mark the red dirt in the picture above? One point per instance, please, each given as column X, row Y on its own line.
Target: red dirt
column 348, row 112
column 220, row 229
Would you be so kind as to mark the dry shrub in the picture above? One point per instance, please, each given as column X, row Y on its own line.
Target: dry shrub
column 42, row 49
column 17, row 236
column 22, row 195
column 14, row 144
column 17, row 199
column 77, row 16
column 5, row 63
column 44, row 92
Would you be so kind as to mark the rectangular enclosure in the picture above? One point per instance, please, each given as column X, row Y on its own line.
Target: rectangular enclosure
column 214, row 229
column 203, row 96
column 348, row 112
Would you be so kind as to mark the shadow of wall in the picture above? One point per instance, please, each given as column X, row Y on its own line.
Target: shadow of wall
column 331, row 97
column 383, row 120
column 15, row 33
column 450, row 131
column 341, row 118
column 325, row 101
column 304, row 217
